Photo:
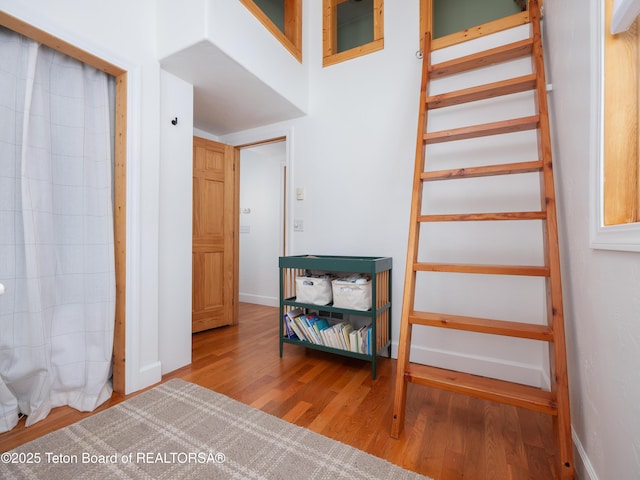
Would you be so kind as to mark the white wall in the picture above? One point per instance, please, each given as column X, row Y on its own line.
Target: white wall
column 251, row 45
column 175, row 227
column 518, row 243
column 354, row 155
column 602, row 297
column 261, row 184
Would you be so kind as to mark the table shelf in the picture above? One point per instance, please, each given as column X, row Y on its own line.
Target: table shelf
column 378, row 268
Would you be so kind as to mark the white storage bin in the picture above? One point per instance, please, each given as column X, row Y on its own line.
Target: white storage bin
column 314, row 290
column 355, row 295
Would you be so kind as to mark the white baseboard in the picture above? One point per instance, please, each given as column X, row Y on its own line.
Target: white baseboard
column 545, row 380
column 484, row 366
column 582, row 464
column 258, row 299
column 146, row 376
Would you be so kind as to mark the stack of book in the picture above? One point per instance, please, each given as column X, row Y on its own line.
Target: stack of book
column 314, row 329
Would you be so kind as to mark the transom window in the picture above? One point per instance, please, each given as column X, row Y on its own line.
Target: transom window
column 456, row 21
column 351, row 28
column 283, row 18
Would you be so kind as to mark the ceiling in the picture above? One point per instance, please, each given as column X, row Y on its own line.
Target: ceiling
column 227, row 98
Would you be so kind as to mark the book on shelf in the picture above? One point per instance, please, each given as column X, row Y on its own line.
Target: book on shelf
column 346, row 330
column 334, row 335
column 363, row 336
column 291, row 329
column 302, row 326
column 319, row 325
column 353, row 341
column 339, row 333
column 318, row 330
column 312, row 324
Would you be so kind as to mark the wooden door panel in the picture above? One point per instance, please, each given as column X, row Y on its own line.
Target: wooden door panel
column 208, row 272
column 208, row 209
column 213, row 264
column 214, row 223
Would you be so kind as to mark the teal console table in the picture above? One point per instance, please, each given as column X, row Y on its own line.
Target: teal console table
column 377, row 268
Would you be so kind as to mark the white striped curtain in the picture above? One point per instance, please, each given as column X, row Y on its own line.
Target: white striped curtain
column 56, row 232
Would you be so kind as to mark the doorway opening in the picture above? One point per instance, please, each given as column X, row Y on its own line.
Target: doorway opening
column 262, row 220
column 119, row 177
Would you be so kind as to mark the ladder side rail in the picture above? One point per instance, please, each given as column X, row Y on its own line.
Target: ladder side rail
column 557, row 349
column 404, row 342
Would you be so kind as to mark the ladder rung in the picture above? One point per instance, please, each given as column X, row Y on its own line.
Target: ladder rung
column 483, row 325
column 502, row 391
column 482, row 59
column 484, row 171
column 465, row 217
column 486, row 129
column 482, row 92
column 525, row 270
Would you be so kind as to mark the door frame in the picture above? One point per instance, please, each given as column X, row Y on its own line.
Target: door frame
column 120, row 181
column 284, row 191
column 261, row 137
column 282, row 198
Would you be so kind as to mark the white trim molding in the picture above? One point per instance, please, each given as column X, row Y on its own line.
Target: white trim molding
column 617, row 237
column 484, row 366
column 584, row 468
column 260, row 134
column 624, row 14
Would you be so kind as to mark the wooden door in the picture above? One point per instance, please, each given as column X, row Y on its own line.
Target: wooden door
column 215, row 247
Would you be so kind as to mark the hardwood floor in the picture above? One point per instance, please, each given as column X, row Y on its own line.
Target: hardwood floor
column 446, row 436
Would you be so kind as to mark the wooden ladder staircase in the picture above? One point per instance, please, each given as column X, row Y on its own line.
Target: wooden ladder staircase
column 556, row 401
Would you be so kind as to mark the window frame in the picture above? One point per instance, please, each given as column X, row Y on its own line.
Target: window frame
column 426, row 25
column 621, row 236
column 291, row 38
column 330, row 54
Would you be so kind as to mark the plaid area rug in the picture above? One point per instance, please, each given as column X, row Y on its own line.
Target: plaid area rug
column 181, row 430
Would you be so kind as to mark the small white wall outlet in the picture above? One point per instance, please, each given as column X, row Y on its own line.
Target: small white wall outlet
column 299, row 193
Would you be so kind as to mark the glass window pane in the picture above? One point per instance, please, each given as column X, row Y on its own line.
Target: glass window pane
column 451, row 16
column 355, row 24
column 274, row 9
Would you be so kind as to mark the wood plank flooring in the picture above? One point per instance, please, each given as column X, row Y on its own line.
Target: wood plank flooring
column 446, row 436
